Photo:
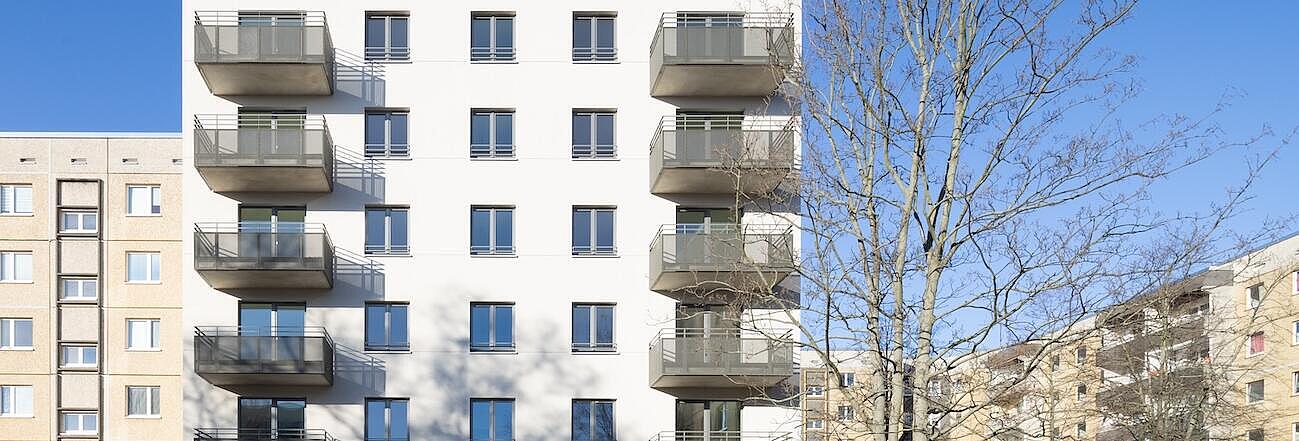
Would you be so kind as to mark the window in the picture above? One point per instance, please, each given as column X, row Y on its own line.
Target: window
column 80, row 423
column 847, row 379
column 79, row 356
column 1255, row 294
column 491, row 230
column 593, row 420
column 386, row 230
column 79, row 222
column 1080, row 430
column 385, row 133
column 491, row 134
column 143, row 200
column 1080, row 355
column 491, row 419
column 1257, row 344
column 491, row 38
column 1254, row 392
column 16, row 333
column 1295, row 429
column 16, row 401
column 143, row 267
column 491, row 327
column 592, row 328
column 15, row 267
column 143, row 334
column 386, row 327
column 593, row 38
column 1295, row 338
column 593, row 135
column 815, row 391
column 1082, row 392
column 845, row 413
column 1254, row 435
column 593, row 231
column 1294, row 382
column 80, row 289
column 816, row 424
column 386, row 36
column 386, row 419
column 15, row 199
column 143, row 401
column 1055, row 362
column 1294, row 283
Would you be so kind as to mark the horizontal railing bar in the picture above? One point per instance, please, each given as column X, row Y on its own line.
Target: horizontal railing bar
column 248, row 227
column 723, row 19
column 227, row 18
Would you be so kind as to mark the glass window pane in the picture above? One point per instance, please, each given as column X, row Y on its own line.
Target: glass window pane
column 604, row 33
column 22, row 266
column 397, row 226
column 604, row 325
column 604, row 424
column 397, row 334
column 399, row 429
column 23, row 333
column 136, row 265
column 398, row 129
column 581, row 129
column 504, row 33
column 480, row 128
column 604, row 227
column 374, row 32
column 581, row 420
column 156, row 206
column 581, row 230
column 375, row 125
column 480, row 228
column 505, row 230
column 604, row 129
column 375, row 419
column 137, row 401
column 581, row 325
column 479, row 325
column 89, row 221
column 374, row 325
column 375, row 227
column 155, row 267
column 581, row 32
column 504, row 326
column 503, row 421
column 505, row 129
column 397, row 32
column 480, row 414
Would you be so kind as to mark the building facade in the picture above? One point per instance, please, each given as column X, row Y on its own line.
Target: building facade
column 90, row 320
column 487, row 220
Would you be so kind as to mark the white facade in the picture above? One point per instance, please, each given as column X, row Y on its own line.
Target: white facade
column 439, row 183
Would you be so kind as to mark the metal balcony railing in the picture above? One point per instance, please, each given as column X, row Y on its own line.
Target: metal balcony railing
column 262, row 37
column 723, row 141
column 263, row 140
column 721, row 435
column 256, row 355
column 723, row 247
column 263, row 246
column 711, row 352
column 238, row 434
column 724, row 38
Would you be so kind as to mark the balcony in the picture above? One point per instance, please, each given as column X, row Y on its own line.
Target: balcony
column 264, row 255
column 721, row 54
column 719, row 435
column 264, row 53
column 235, row 356
column 728, row 257
column 704, row 358
column 232, row 434
column 721, row 154
column 264, row 153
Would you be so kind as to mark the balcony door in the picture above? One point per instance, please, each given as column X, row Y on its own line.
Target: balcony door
column 708, row 236
column 272, row 233
column 271, row 418
column 708, row 136
column 708, row 420
column 708, row 335
column 710, row 36
column 277, row 328
column 268, row 36
column 272, row 134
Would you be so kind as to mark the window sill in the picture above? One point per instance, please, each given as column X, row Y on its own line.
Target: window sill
column 596, row 352
column 144, row 417
column 144, row 282
column 17, row 214
column 78, row 368
column 596, row 256
column 494, row 256
column 494, row 158
column 406, row 254
column 16, row 282
column 388, row 351
column 17, row 416
column 143, row 349
column 615, row 61
column 472, row 61
column 511, row 351
column 144, row 215
column 596, row 159
column 19, row 349
column 79, row 301
column 390, row 157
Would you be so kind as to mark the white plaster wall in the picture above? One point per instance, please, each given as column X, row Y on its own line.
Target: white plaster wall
column 440, row 183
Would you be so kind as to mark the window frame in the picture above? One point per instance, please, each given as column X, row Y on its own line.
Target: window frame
column 815, row 423
column 491, row 421
column 9, row 205
column 815, row 391
column 493, row 346
column 1249, row 392
column 387, row 149
column 1080, row 355
column 80, row 350
column 591, row 418
column 493, row 248
column 387, row 408
column 1294, row 383
column 1249, row 344
column 594, row 53
column 150, row 393
column 155, row 335
column 1250, row 301
column 493, row 53
column 9, row 266
column 387, row 52
column 595, row 151
column 81, row 282
column 10, row 327
column 593, row 328
column 155, row 199
column 594, row 249
column 388, row 249
column 1080, row 392
column 1294, row 339
column 846, row 413
column 389, row 346
column 150, row 277
column 494, row 149
column 8, row 399
column 847, row 379
column 81, row 215
column 63, row 426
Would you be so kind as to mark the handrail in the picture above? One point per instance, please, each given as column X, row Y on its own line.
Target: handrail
column 719, row 229
column 695, row 121
column 264, row 331
column 728, row 435
column 262, row 227
column 233, row 18
column 665, row 333
column 216, row 121
column 242, row 434
column 728, row 19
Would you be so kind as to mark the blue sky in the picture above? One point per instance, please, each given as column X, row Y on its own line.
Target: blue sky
column 83, row 65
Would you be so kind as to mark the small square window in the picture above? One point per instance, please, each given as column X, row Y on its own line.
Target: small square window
column 846, row 413
column 593, row 231
column 491, row 327
column 143, row 200
column 143, row 267
column 387, row 36
column 491, row 38
column 593, row 38
column 491, row 134
column 1257, row 343
column 16, row 401
column 143, row 401
column 847, row 379
column 1254, row 435
column 79, row 423
column 593, row 135
column 386, row 133
column 1080, row 355
column 387, row 419
column 15, row 266
column 15, row 199
column 387, row 230
column 815, row 391
column 16, row 333
column 80, row 289
column 386, row 327
column 491, row 231
column 1254, row 392
column 79, row 356
column 593, row 328
column 78, row 222
column 593, row 421
column 143, row 334
column 815, row 423
column 1255, row 296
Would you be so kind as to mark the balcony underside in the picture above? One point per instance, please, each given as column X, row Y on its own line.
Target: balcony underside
column 713, row 180
column 705, row 278
column 716, row 80
column 264, row 178
column 719, row 379
column 265, row 278
column 261, row 375
column 267, row 78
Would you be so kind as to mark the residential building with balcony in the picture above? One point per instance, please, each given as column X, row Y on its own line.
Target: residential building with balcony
column 488, row 221
column 90, row 280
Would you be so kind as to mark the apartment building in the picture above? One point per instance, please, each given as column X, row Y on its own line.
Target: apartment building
column 487, row 220
column 90, row 320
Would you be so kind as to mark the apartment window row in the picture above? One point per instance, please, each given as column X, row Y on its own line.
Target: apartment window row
column 141, row 267
column 491, row 134
column 490, row 419
column 141, row 334
column 141, row 402
column 491, row 327
column 141, row 200
column 491, row 231
column 491, row 37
